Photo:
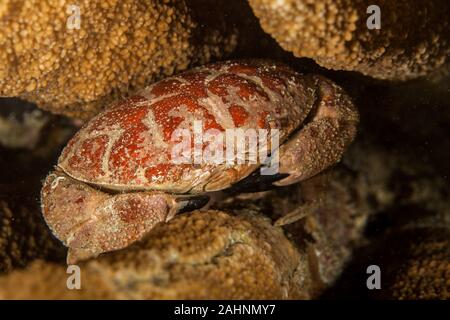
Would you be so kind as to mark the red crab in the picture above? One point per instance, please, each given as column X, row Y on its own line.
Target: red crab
column 116, row 178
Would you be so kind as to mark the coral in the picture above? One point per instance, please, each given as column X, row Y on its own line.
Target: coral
column 45, row 280
column 200, row 255
column 24, row 237
column 412, row 42
column 423, row 272
column 120, row 46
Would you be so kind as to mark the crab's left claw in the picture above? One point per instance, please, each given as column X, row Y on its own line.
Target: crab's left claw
column 321, row 142
column 90, row 221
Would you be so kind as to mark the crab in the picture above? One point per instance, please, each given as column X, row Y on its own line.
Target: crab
column 116, row 178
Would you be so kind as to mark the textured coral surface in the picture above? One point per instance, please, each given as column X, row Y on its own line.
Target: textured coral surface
column 119, row 46
column 423, row 271
column 413, row 40
column 199, row 255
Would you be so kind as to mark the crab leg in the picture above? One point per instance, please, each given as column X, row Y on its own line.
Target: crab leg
column 90, row 221
column 322, row 141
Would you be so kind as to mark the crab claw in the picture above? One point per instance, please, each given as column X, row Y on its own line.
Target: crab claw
column 90, row 221
column 321, row 142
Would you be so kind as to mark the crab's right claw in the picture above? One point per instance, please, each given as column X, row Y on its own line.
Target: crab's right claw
column 90, row 221
column 321, row 142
